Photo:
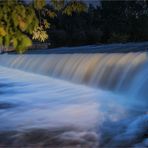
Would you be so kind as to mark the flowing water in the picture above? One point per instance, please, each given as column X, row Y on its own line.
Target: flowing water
column 74, row 100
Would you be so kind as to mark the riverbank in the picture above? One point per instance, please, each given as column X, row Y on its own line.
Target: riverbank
column 105, row 48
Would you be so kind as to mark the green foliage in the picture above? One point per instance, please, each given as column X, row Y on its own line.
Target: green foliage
column 65, row 24
column 40, row 34
column 22, row 43
column 19, row 22
column 111, row 21
column 39, row 4
column 51, row 14
column 68, row 7
column 58, row 4
column 16, row 20
column 74, row 6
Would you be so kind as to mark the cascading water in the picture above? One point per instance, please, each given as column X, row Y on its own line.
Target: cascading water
column 116, row 72
column 74, row 100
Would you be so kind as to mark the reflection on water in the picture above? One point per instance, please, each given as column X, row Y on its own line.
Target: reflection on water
column 42, row 111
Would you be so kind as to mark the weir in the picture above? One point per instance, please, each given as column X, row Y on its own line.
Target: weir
column 118, row 72
column 74, row 100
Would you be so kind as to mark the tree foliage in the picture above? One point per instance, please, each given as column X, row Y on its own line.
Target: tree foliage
column 16, row 23
column 110, row 22
column 20, row 22
column 71, row 22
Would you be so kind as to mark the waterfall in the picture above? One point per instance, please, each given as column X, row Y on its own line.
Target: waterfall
column 74, row 100
column 119, row 72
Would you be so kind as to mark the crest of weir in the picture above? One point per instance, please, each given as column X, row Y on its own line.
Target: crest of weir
column 119, row 72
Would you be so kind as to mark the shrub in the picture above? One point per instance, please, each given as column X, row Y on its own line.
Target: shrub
column 120, row 38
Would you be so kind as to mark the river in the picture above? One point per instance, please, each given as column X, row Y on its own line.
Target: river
column 78, row 100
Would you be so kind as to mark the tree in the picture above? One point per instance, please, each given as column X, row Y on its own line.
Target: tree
column 20, row 23
column 124, row 19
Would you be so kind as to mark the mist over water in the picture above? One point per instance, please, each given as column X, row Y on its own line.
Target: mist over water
column 74, row 100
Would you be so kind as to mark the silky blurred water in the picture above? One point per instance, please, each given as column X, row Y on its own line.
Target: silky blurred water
column 118, row 72
column 39, row 111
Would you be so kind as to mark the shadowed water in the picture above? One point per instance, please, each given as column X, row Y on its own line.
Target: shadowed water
column 40, row 111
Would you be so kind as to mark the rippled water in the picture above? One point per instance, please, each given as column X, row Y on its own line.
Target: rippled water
column 42, row 111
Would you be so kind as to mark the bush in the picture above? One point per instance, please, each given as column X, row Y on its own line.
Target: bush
column 120, row 38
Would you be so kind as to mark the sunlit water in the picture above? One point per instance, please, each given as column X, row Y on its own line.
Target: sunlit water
column 74, row 100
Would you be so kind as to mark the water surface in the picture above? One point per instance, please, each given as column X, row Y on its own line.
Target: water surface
column 37, row 110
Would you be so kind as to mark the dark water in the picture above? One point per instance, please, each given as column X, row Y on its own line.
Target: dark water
column 39, row 111
column 109, row 48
